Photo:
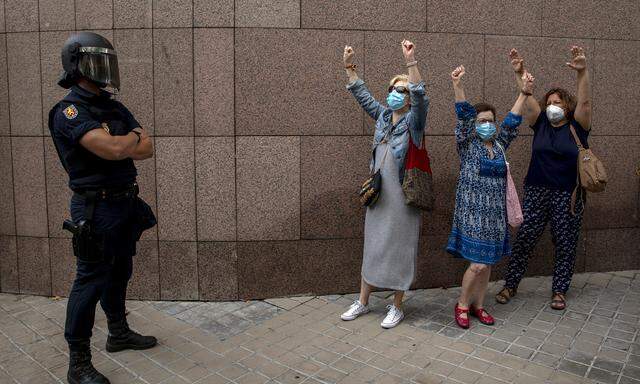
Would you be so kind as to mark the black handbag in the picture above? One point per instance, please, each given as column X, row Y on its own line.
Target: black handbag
column 370, row 190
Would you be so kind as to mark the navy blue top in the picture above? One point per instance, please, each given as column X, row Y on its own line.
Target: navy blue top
column 78, row 113
column 554, row 155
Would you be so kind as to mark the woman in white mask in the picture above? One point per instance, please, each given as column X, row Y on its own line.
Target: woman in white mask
column 480, row 231
column 551, row 191
column 392, row 227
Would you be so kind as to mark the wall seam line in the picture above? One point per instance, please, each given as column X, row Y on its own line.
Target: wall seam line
column 235, row 155
column 155, row 157
column 193, row 122
column 13, row 178
column 44, row 158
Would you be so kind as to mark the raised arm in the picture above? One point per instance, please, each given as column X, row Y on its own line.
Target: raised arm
column 357, row 88
column 465, row 113
column 531, row 108
column 419, row 100
column 578, row 63
column 509, row 127
column 408, row 50
column 456, row 77
column 526, row 92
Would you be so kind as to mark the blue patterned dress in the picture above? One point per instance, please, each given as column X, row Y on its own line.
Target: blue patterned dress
column 480, row 233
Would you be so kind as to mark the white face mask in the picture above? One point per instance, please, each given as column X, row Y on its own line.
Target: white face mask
column 555, row 114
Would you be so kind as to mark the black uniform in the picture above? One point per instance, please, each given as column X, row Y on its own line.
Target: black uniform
column 118, row 216
column 107, row 215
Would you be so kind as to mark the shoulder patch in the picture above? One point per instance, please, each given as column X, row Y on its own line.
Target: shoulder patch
column 71, row 112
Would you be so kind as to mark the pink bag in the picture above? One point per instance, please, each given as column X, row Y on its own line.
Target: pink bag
column 514, row 211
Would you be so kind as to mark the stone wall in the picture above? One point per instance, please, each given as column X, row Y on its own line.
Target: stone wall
column 259, row 148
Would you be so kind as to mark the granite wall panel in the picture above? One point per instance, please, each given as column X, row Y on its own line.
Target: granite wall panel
column 260, row 149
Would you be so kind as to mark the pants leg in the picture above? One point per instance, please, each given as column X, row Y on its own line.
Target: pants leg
column 89, row 284
column 565, row 230
column 536, row 214
column 114, row 295
column 104, row 281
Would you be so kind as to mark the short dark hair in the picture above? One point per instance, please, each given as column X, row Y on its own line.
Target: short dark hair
column 483, row 107
column 565, row 96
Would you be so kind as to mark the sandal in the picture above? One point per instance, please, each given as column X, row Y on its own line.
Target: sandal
column 461, row 321
column 558, row 301
column 504, row 296
column 483, row 316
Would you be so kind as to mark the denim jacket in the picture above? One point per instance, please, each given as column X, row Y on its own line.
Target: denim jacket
column 412, row 124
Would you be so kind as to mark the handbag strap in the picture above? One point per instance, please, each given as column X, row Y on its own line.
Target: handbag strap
column 384, row 157
column 575, row 137
column 578, row 188
column 504, row 153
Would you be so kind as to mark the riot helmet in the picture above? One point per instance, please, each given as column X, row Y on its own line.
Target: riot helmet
column 89, row 55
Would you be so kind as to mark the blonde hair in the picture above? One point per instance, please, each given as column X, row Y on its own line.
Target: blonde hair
column 397, row 78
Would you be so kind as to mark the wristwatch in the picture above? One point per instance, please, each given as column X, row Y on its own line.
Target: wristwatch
column 350, row 66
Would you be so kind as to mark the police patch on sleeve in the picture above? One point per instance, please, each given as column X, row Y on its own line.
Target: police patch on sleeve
column 71, row 112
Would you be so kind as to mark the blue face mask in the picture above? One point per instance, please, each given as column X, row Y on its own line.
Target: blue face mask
column 395, row 100
column 486, row 130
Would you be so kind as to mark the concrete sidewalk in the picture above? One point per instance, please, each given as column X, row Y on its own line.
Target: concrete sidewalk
column 302, row 339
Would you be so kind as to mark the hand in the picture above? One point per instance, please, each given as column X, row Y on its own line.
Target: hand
column 579, row 60
column 408, row 50
column 517, row 62
column 347, row 56
column 527, row 83
column 457, row 74
column 142, row 132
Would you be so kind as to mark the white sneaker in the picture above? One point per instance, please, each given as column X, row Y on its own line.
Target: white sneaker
column 394, row 317
column 356, row 309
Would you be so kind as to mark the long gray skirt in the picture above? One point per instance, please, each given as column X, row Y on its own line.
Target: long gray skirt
column 391, row 232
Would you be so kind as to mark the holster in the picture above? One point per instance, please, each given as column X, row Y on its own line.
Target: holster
column 88, row 246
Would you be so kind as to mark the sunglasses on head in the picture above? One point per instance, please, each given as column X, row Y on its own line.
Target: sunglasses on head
column 399, row 89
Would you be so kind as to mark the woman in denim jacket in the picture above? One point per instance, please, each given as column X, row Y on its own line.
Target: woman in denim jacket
column 392, row 228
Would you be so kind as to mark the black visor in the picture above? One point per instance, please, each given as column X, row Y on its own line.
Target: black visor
column 101, row 66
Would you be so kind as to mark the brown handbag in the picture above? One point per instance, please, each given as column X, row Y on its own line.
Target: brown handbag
column 417, row 184
column 591, row 173
column 592, row 176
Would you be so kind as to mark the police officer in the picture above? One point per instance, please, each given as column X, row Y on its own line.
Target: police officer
column 97, row 139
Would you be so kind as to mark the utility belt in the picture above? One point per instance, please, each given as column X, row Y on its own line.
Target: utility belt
column 119, row 193
column 92, row 246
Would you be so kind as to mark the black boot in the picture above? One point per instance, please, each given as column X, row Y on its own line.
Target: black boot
column 81, row 371
column 121, row 338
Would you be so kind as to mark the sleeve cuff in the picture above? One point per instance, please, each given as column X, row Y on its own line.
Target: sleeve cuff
column 465, row 111
column 512, row 120
column 78, row 132
column 355, row 84
column 417, row 88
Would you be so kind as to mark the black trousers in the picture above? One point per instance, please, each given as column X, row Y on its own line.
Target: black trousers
column 105, row 281
column 544, row 206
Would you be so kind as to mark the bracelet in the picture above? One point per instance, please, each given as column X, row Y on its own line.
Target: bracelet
column 412, row 63
column 351, row 66
column 526, row 93
column 139, row 136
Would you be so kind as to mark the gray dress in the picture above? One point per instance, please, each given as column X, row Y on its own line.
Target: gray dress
column 391, row 232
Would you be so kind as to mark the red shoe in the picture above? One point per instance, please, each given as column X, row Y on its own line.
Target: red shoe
column 482, row 315
column 462, row 323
